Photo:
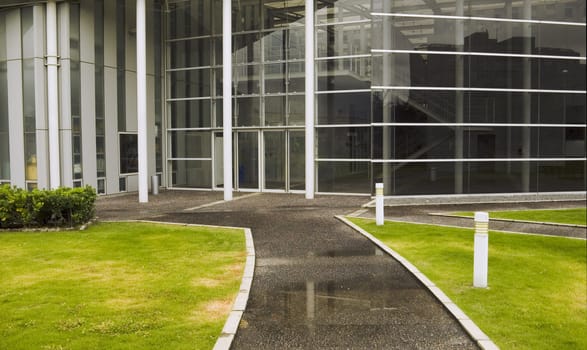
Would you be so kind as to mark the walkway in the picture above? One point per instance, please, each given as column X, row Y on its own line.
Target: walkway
column 318, row 283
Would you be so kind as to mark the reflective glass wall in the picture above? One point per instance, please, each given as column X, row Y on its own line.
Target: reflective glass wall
column 268, row 94
column 476, row 97
column 429, row 97
column 343, row 96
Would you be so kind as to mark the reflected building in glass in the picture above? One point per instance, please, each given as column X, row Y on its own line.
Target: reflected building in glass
column 427, row 97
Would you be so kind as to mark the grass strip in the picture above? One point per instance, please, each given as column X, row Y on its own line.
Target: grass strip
column 536, row 298
column 118, row 286
column 576, row 216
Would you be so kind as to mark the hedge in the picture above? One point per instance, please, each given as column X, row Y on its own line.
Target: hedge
column 45, row 208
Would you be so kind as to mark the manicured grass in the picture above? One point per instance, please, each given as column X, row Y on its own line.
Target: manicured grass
column 118, row 286
column 537, row 295
column 576, row 216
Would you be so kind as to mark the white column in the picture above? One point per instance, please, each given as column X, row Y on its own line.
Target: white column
column 142, row 102
column 52, row 96
column 527, row 97
column 310, row 99
column 227, row 95
column 459, row 96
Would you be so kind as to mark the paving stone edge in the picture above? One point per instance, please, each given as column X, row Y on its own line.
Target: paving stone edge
column 470, row 327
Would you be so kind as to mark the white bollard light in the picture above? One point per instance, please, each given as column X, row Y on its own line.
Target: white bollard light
column 481, row 254
column 379, row 204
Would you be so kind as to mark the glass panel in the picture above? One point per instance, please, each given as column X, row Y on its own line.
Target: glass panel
column 561, row 176
column 2, row 36
column 282, row 13
column 276, row 78
column 191, row 173
column 343, row 40
column 29, row 109
column 297, row 110
column 248, row 160
column 345, row 108
column 297, row 160
column 275, row 110
column 246, row 79
column 344, row 177
column 190, row 53
column 27, row 27
column 194, row 18
column 191, row 83
column 190, row 144
column 274, row 159
column 190, row 114
column 328, row 11
column 344, row 74
column 4, row 134
column 129, row 162
column 246, row 48
column 432, row 106
column 247, row 111
column 246, row 15
column 346, row 143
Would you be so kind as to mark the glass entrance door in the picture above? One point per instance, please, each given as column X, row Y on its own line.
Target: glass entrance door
column 297, row 160
column 275, row 162
column 282, row 163
column 247, row 170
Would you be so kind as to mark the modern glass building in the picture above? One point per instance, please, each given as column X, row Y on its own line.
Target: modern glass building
column 426, row 96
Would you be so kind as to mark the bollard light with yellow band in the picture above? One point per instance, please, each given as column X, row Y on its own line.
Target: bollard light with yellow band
column 379, row 204
column 481, row 254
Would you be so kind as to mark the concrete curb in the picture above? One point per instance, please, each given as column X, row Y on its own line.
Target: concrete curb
column 472, row 329
column 555, row 224
column 240, row 303
column 489, row 198
column 225, row 339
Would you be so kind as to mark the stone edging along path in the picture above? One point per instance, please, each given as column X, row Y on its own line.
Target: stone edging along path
column 474, row 331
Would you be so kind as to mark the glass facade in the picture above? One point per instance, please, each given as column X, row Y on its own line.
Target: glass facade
column 443, row 97
column 470, row 98
column 428, row 97
column 28, row 96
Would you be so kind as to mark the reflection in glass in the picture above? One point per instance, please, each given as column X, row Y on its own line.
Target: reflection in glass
column 190, row 144
column 297, row 160
column 248, row 160
column 190, row 114
column 348, row 108
column 274, row 146
column 345, row 143
column 344, row 177
column 191, row 173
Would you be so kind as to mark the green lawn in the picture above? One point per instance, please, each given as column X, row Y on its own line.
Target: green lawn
column 576, row 216
column 537, row 295
column 118, row 286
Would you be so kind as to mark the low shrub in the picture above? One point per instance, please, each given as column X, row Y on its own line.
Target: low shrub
column 45, row 208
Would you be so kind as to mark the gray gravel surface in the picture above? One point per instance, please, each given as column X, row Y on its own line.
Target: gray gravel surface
column 318, row 284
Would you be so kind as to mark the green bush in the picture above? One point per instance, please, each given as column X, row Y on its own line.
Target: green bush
column 46, row 208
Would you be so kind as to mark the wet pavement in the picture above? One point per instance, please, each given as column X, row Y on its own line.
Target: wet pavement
column 318, row 283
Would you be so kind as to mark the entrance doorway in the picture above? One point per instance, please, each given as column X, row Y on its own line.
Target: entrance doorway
column 269, row 160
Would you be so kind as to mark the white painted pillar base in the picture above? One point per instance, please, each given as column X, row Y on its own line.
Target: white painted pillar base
column 379, row 204
column 481, row 249
column 142, row 101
